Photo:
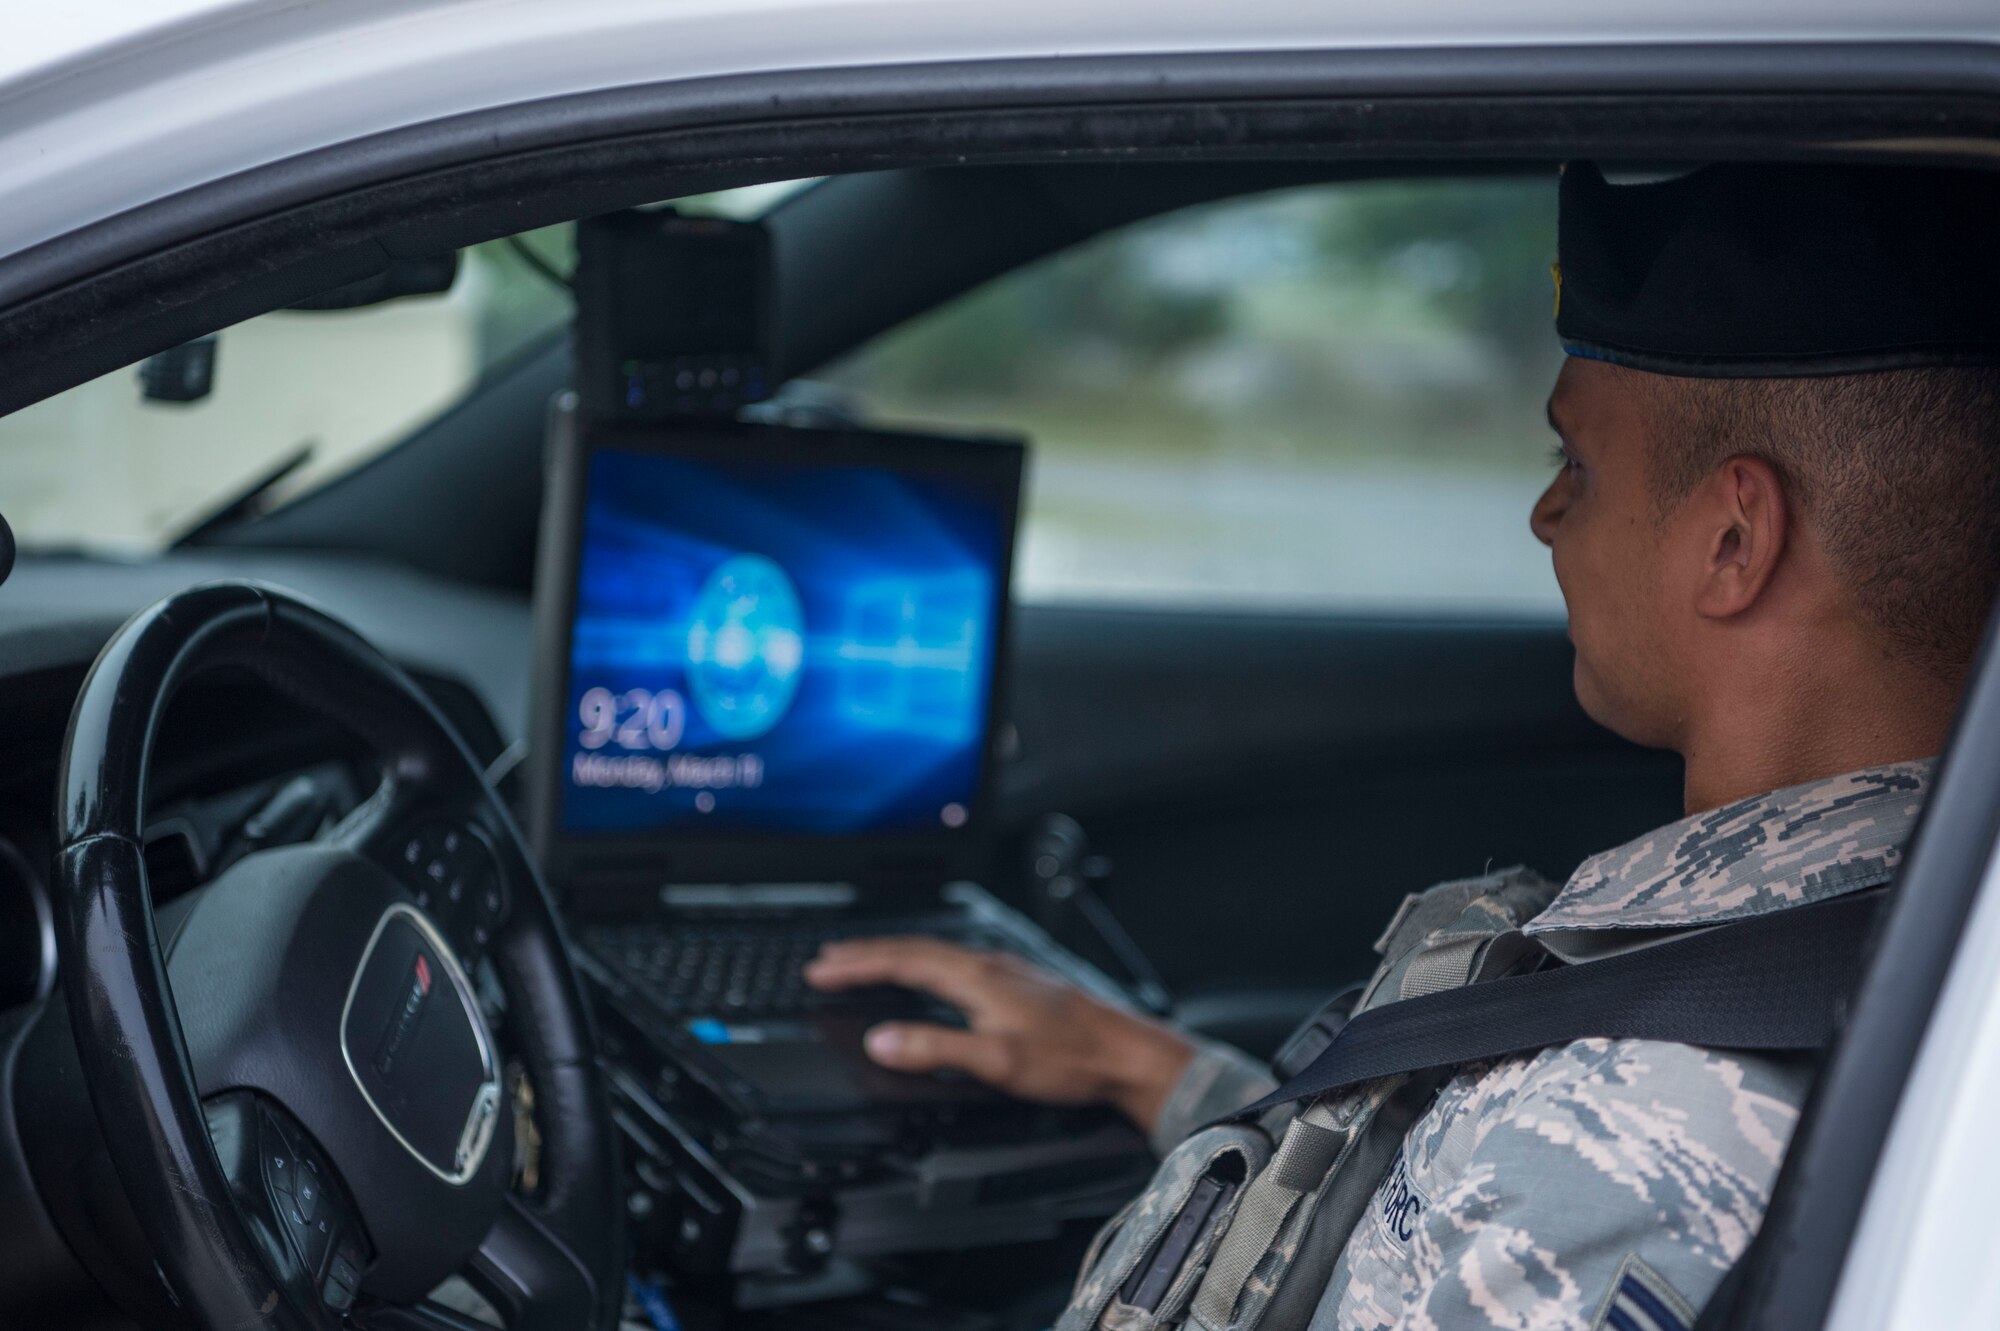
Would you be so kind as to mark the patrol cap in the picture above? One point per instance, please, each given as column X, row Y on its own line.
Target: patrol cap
column 1762, row 271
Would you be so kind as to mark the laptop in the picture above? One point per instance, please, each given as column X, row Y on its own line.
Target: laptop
column 768, row 671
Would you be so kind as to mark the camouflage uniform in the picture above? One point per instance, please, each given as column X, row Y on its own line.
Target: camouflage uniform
column 1604, row 1183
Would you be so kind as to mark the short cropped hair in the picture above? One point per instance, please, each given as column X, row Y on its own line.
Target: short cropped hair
column 1898, row 471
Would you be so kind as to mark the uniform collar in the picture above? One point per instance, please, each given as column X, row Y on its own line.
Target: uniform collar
column 1801, row 844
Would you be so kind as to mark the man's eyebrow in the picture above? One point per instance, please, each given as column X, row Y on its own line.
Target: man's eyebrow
column 1549, row 410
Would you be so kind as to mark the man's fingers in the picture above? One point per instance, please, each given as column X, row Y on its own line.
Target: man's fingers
column 958, row 975
column 916, row 1047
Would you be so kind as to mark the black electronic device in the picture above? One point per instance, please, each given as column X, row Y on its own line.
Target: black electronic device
column 773, row 1161
column 766, row 654
column 674, row 315
column 768, row 668
column 768, row 671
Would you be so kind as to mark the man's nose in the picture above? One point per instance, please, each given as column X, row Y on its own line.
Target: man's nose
column 1547, row 514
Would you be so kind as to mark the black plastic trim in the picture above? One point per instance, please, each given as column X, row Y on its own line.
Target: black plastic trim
column 187, row 264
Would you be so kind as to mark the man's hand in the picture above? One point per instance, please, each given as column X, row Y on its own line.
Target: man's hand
column 1030, row 1034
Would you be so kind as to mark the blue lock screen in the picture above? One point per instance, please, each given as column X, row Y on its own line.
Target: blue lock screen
column 777, row 647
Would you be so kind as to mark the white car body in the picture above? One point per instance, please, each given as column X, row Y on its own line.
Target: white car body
column 104, row 107
column 107, row 107
column 1928, row 1233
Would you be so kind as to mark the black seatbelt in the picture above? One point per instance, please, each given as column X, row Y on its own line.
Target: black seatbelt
column 1778, row 981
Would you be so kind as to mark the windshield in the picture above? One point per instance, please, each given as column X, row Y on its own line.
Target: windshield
column 101, row 467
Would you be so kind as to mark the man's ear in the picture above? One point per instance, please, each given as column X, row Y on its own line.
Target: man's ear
column 1745, row 521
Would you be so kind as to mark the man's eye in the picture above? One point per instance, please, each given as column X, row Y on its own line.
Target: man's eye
column 1559, row 458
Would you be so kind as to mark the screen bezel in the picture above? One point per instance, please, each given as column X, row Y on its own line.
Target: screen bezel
column 621, row 872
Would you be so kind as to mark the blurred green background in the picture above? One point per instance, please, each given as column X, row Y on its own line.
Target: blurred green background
column 1324, row 397
column 1327, row 395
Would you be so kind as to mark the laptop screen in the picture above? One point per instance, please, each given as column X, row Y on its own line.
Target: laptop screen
column 777, row 632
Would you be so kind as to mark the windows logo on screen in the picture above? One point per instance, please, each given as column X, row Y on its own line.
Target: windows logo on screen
column 745, row 646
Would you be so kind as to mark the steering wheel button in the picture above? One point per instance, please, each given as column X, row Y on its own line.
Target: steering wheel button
column 344, row 1271
column 300, row 1235
column 318, row 1238
column 305, row 1191
column 339, row 1297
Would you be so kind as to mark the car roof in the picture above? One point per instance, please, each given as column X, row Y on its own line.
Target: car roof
column 110, row 106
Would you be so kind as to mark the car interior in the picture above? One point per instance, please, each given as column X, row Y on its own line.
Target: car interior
column 1176, row 507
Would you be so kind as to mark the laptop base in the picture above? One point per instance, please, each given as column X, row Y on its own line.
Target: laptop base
column 765, row 1148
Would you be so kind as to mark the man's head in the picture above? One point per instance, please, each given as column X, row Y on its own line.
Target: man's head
column 1704, row 527
column 1778, row 517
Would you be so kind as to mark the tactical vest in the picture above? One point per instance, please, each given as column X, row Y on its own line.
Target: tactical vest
column 1242, row 1224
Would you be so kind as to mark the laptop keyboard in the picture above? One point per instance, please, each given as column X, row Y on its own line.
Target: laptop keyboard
column 745, row 969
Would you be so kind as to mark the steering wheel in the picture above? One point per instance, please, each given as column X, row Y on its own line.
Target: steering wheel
column 292, row 1067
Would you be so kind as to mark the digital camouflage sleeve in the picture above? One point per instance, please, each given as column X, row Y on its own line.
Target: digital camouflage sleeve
column 1219, row 1081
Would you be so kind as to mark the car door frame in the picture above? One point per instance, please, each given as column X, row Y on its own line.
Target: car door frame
column 111, row 292
column 163, row 272
column 1838, row 1247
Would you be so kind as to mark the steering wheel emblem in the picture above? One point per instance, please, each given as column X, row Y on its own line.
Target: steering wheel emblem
column 417, row 1046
